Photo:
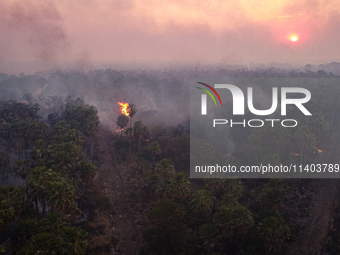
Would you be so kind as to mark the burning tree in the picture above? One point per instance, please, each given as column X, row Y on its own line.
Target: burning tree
column 122, row 121
column 132, row 111
column 128, row 110
column 124, row 108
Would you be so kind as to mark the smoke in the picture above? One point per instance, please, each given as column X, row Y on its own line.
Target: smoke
column 32, row 27
column 39, row 34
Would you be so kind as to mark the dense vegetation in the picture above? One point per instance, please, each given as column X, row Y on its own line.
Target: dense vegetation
column 87, row 188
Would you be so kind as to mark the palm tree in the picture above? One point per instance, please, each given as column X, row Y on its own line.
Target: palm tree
column 61, row 195
column 87, row 173
column 273, row 193
column 155, row 150
column 231, row 186
column 11, row 201
column 202, row 202
column 39, row 180
column 229, row 200
column 132, row 111
column 74, row 241
column 41, row 243
column 175, row 188
column 129, row 132
column 274, row 232
column 122, row 121
column 138, row 130
column 233, row 220
column 208, row 234
column 56, row 222
column 165, row 169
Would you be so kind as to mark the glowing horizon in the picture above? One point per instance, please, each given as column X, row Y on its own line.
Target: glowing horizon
column 44, row 34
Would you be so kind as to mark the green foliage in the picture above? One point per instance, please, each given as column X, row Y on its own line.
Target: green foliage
column 41, row 243
column 175, row 188
column 233, row 220
column 229, row 200
column 52, row 171
column 209, row 236
column 50, row 235
column 273, row 193
column 165, row 169
column 169, row 234
column 72, row 241
column 274, row 232
column 231, row 186
column 202, row 201
column 86, row 171
column 2, row 249
column 49, row 185
column 122, row 121
column 11, row 201
column 84, row 119
column 155, row 149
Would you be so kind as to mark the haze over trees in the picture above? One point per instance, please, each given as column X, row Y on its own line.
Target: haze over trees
column 86, row 181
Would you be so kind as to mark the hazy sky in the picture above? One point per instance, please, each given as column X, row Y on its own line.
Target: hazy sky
column 39, row 34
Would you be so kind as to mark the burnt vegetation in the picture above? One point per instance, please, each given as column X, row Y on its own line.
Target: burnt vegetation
column 78, row 177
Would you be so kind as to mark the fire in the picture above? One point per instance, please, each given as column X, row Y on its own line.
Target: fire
column 124, row 108
column 295, row 154
column 318, row 150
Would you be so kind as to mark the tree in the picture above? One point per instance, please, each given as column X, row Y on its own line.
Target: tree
column 273, row 232
column 165, row 169
column 129, row 132
column 231, row 186
column 202, row 202
column 155, row 150
column 39, row 180
column 132, row 111
column 74, row 241
column 86, row 120
column 60, row 195
column 175, row 188
column 47, row 184
column 11, row 201
column 28, row 97
column 208, row 234
column 122, row 121
column 138, row 130
column 273, row 193
column 87, row 173
column 233, row 220
column 71, row 241
column 169, row 233
column 41, row 243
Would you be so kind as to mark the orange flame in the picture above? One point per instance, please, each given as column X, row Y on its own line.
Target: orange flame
column 124, row 108
column 318, row 150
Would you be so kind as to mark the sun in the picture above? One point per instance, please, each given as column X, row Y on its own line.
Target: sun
column 294, row 38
